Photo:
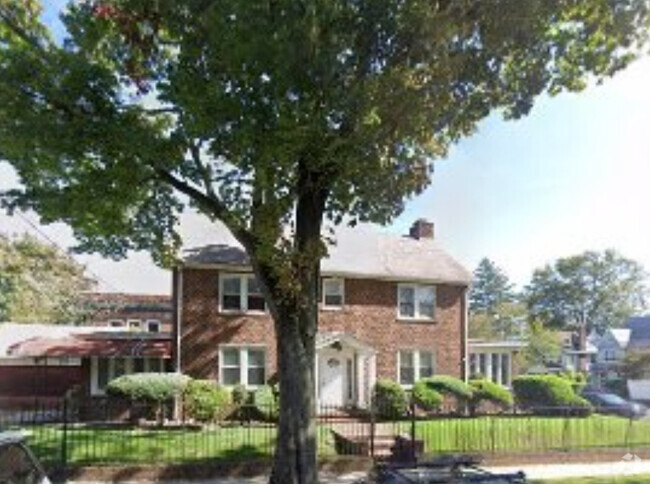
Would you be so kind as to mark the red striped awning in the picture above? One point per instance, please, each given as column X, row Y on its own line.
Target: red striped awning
column 84, row 346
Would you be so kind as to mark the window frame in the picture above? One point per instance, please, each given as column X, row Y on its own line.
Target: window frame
column 243, row 293
column 158, row 324
column 416, row 365
column 151, row 364
column 323, row 294
column 243, row 365
column 134, row 324
column 417, row 289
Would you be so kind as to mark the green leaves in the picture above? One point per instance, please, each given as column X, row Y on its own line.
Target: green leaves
column 146, row 107
column 597, row 289
column 38, row 284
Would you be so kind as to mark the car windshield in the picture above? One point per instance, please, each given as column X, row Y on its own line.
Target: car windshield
column 611, row 399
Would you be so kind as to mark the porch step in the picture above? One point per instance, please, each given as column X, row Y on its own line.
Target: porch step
column 355, row 439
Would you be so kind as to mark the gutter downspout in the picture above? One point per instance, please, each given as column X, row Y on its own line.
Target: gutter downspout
column 464, row 334
column 178, row 311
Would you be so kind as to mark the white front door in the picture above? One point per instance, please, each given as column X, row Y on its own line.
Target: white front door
column 332, row 378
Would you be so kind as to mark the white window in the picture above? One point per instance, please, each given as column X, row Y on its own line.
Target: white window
column 242, row 366
column 240, row 293
column 333, row 293
column 153, row 326
column 116, row 323
column 414, row 365
column 134, row 324
column 103, row 370
column 496, row 367
column 416, row 301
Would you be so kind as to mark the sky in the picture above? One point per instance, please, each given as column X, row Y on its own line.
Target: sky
column 572, row 176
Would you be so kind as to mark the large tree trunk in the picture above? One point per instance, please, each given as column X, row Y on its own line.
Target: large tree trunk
column 295, row 454
column 296, row 323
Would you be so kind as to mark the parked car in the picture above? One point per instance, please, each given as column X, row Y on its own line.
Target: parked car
column 612, row 404
column 17, row 463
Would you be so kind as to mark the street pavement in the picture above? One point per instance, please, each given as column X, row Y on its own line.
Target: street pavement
column 542, row 471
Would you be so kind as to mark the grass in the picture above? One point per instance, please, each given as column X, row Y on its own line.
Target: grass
column 98, row 446
column 86, row 445
column 524, row 434
column 639, row 479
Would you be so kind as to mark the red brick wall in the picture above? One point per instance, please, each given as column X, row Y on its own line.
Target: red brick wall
column 39, row 381
column 370, row 314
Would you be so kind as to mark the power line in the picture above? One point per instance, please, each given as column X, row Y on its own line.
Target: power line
column 64, row 251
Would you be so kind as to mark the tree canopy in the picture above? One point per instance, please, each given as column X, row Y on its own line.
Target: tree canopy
column 273, row 115
column 39, row 283
column 598, row 289
column 490, row 288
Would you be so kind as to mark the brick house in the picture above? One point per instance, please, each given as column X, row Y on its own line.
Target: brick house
column 391, row 307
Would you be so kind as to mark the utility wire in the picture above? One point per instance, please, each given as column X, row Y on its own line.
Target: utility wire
column 64, row 251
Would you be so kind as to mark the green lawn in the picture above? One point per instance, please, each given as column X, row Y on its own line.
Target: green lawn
column 147, row 446
column 518, row 434
column 640, row 479
column 480, row 435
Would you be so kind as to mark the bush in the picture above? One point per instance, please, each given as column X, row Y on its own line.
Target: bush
column 389, row 400
column 549, row 395
column 426, row 397
column 577, row 379
column 448, row 385
column 265, row 402
column 240, row 396
column 205, row 401
column 152, row 387
column 488, row 391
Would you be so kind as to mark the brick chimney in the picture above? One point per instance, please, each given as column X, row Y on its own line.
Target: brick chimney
column 421, row 229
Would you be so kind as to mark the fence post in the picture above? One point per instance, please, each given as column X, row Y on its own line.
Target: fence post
column 565, row 432
column 414, row 455
column 372, row 429
column 64, row 436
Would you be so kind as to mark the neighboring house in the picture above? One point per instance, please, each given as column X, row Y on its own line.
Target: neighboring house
column 40, row 363
column 135, row 312
column 578, row 351
column 495, row 360
column 391, row 307
column 612, row 348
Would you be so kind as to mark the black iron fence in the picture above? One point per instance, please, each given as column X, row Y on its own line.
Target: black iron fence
column 118, row 433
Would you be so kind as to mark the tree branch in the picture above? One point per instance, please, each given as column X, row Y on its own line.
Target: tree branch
column 213, row 205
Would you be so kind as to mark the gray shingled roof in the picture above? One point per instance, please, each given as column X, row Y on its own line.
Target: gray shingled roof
column 639, row 332
column 362, row 253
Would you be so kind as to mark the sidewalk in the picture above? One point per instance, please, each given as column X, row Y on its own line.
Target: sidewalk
column 563, row 471
column 540, row 471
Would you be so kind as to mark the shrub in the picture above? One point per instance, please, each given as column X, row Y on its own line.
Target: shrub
column 549, row 395
column 265, row 402
column 577, row 379
column 389, row 400
column 448, row 385
column 240, row 395
column 488, row 391
column 152, row 387
column 426, row 397
column 205, row 401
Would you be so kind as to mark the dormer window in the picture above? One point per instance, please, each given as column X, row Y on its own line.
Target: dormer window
column 333, row 293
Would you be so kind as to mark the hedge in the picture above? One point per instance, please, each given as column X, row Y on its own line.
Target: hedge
column 426, row 397
column 488, row 391
column 152, row 387
column 389, row 400
column 205, row 401
column 265, row 402
column 448, row 385
column 549, row 395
